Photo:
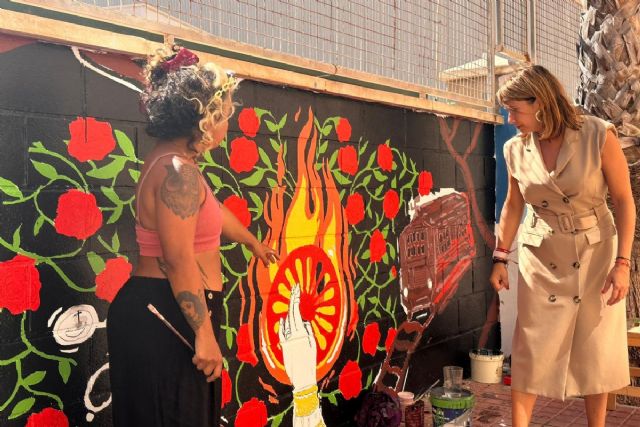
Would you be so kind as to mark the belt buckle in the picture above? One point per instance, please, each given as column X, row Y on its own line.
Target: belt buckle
column 565, row 221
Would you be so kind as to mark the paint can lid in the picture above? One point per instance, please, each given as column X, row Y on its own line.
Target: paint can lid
column 461, row 399
column 486, row 352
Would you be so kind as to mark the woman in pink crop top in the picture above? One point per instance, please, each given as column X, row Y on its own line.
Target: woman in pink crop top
column 155, row 378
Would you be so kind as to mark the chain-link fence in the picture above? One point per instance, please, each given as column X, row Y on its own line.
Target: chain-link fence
column 445, row 46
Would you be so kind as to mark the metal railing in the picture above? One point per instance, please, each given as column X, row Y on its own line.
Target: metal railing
column 447, row 46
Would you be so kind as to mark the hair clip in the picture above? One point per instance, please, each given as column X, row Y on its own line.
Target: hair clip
column 183, row 58
column 231, row 83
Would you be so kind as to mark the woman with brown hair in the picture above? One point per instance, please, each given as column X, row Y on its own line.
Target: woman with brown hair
column 570, row 334
column 157, row 380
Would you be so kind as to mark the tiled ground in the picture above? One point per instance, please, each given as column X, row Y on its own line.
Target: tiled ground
column 493, row 408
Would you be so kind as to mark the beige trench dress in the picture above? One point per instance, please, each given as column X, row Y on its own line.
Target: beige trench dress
column 567, row 341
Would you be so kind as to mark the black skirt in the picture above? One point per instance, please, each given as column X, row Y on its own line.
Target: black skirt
column 153, row 380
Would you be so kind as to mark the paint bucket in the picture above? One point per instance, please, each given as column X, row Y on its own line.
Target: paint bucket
column 451, row 409
column 486, row 366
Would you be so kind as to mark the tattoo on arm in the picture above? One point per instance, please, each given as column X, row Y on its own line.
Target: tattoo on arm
column 192, row 308
column 180, row 190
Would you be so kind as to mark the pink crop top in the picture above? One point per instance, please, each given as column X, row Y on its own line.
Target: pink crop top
column 208, row 227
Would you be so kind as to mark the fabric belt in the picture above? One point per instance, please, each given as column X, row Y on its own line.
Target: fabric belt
column 569, row 223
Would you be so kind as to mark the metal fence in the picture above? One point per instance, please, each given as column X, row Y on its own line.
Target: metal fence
column 544, row 32
column 556, row 37
column 444, row 45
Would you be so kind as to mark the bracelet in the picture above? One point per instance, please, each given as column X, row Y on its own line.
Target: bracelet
column 306, row 391
column 500, row 260
column 503, row 250
column 500, row 255
column 623, row 261
column 624, row 258
column 304, row 406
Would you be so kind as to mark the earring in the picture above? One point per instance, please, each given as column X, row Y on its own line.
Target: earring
column 538, row 116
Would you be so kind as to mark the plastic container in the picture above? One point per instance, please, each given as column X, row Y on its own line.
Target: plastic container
column 406, row 399
column 486, row 366
column 451, row 409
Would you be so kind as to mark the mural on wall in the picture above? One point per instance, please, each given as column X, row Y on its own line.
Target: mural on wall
column 436, row 249
column 332, row 247
column 333, row 202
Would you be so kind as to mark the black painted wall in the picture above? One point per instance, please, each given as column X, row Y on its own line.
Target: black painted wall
column 44, row 89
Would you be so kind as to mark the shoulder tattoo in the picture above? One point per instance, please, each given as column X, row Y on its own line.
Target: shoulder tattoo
column 180, row 190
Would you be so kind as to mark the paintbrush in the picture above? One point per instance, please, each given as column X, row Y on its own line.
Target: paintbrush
column 421, row 395
column 169, row 325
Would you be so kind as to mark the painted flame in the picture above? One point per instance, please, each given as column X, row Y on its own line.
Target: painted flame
column 311, row 238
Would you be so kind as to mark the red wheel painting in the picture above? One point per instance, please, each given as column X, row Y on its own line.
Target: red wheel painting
column 323, row 303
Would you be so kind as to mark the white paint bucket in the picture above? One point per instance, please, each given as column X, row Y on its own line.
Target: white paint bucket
column 486, row 366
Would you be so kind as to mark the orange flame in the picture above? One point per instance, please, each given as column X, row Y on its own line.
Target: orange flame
column 311, row 239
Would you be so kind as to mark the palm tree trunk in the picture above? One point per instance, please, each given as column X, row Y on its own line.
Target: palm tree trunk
column 609, row 59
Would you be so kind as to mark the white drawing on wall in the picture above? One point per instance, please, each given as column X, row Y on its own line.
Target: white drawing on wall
column 87, row 394
column 74, row 326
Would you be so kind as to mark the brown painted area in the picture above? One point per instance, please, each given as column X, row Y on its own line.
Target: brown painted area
column 9, row 43
column 121, row 64
column 436, row 249
column 448, row 134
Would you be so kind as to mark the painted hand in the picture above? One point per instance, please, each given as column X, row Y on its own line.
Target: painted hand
column 298, row 345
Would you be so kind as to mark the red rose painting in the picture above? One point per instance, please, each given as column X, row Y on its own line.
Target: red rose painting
column 355, row 208
column 244, row 155
column 343, row 130
column 48, row 417
column 239, row 208
column 385, row 157
column 377, row 246
column 19, row 285
column 252, row 414
column 249, row 122
column 391, row 204
column 348, row 160
column 77, row 215
column 115, row 274
column 90, row 139
column 350, row 380
column 425, row 183
column 371, row 338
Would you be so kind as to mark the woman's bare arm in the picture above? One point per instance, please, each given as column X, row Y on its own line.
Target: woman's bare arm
column 177, row 203
column 234, row 230
column 507, row 229
column 616, row 173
